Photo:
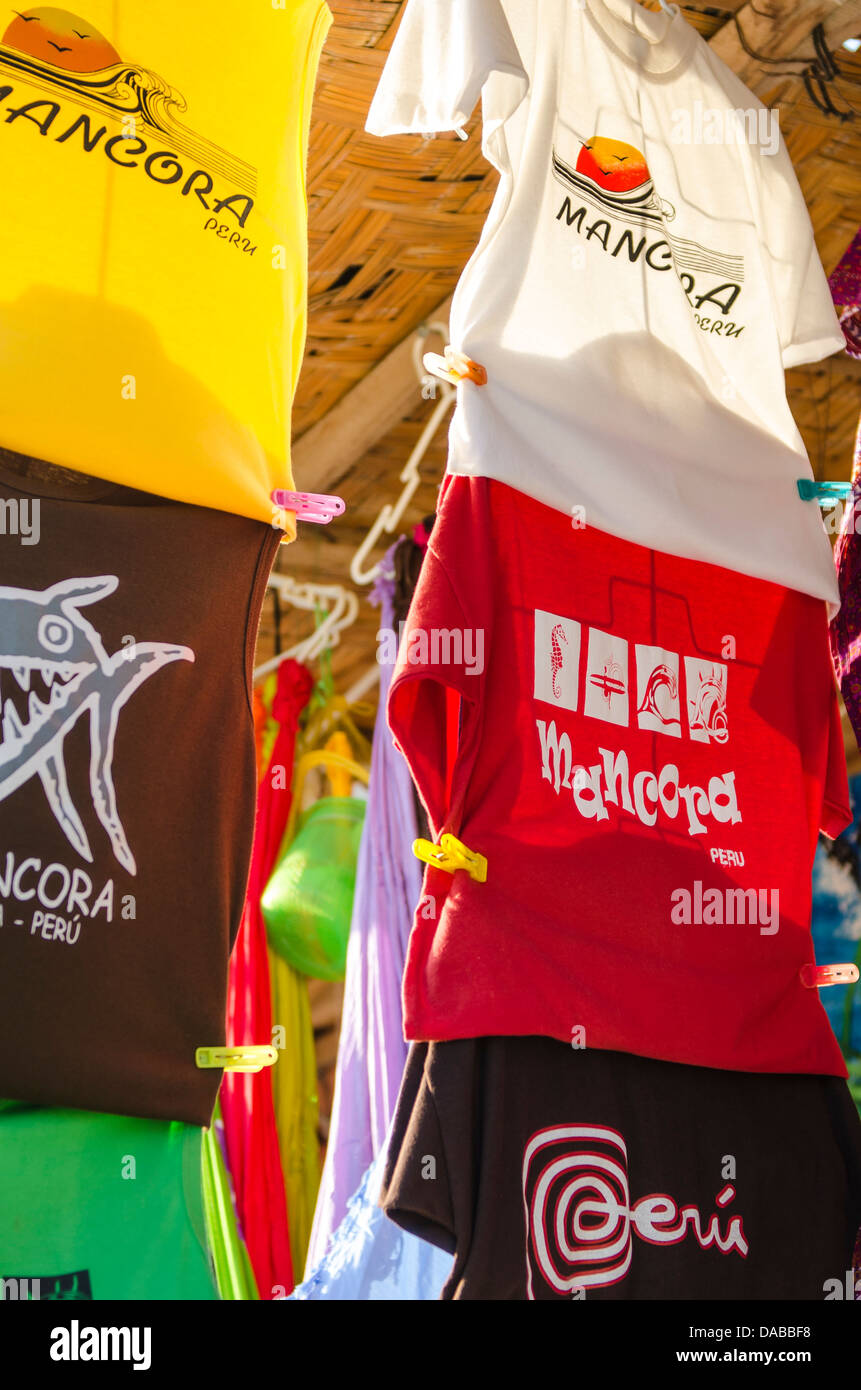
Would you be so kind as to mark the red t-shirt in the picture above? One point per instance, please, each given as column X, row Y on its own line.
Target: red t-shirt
column 647, row 747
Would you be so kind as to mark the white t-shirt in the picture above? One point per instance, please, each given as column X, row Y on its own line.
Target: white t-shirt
column 645, row 274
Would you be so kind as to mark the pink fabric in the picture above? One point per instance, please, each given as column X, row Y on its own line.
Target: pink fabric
column 246, row 1099
column 846, row 628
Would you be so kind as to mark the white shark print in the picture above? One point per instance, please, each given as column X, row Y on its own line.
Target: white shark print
column 43, row 631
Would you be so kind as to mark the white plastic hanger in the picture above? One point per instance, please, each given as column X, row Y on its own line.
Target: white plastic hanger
column 343, row 609
column 391, row 512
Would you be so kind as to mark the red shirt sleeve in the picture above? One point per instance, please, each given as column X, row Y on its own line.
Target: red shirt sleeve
column 437, row 690
column 836, row 811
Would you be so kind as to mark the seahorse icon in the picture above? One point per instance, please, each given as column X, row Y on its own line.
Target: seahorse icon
column 556, row 654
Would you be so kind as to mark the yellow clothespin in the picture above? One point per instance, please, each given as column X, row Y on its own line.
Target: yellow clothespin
column 251, row 1057
column 451, row 854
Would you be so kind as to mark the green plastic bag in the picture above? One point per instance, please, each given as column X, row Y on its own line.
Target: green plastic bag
column 308, row 901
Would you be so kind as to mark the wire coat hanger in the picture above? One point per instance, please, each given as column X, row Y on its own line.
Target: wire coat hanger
column 343, row 609
column 391, row 512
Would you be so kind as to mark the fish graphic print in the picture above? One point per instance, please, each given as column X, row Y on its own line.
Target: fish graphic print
column 43, row 632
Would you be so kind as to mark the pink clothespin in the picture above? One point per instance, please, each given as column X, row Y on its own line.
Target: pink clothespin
column 309, row 506
column 818, row 976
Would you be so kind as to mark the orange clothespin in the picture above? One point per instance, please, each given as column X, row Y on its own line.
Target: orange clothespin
column 454, row 366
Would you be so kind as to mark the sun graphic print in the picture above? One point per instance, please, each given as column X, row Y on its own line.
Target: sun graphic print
column 60, row 38
column 613, row 165
column 56, row 49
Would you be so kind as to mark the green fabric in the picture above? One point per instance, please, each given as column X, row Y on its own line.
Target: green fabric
column 854, row 1067
column 308, row 901
column 233, row 1270
column 102, row 1206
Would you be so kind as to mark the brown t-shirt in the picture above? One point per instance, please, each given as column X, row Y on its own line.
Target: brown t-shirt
column 127, row 787
column 556, row 1172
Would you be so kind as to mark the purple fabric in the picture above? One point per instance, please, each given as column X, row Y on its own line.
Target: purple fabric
column 845, row 281
column 845, row 284
column 845, row 631
column 218, row 1126
column 372, row 1051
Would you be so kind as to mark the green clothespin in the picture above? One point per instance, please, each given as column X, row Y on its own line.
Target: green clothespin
column 823, row 493
column 249, row 1057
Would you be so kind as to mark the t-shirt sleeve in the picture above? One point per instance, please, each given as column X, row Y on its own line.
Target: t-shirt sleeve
column 836, row 812
column 807, row 322
column 437, row 685
column 442, row 55
column 415, row 1190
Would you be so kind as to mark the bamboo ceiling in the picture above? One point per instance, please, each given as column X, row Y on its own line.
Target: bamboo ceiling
column 392, row 223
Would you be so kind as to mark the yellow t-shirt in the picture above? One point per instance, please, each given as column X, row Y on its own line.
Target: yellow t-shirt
column 153, row 241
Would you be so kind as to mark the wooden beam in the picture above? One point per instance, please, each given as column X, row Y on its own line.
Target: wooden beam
column 326, row 452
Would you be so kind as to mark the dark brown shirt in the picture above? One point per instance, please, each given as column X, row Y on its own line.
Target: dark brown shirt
column 127, row 787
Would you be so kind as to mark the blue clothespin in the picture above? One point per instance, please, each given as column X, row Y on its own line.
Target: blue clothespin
column 823, row 493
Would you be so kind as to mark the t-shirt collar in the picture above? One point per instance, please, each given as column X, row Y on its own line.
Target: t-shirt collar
column 89, row 489
column 655, row 43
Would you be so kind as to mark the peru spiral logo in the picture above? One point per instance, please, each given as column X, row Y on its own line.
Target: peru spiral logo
column 578, row 1222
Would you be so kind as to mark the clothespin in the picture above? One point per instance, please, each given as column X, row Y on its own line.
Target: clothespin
column 451, row 854
column 818, row 976
column 251, row 1057
column 309, row 506
column 823, row 493
column 454, row 366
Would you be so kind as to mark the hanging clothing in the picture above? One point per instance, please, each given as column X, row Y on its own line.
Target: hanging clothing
column 645, row 275
column 101, row 1207
column 294, row 1095
column 407, row 558
column 646, row 750
column 233, row 1273
column 845, row 285
column 369, row 1258
column 246, row 1097
column 124, row 651
column 371, row 1050
column 556, row 1173
column 846, row 626
column 154, row 270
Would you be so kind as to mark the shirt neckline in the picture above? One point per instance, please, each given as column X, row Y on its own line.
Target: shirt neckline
column 657, row 44
column 94, row 489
